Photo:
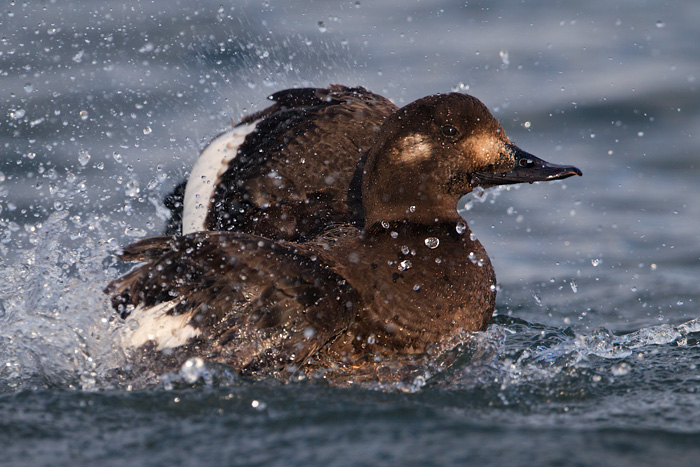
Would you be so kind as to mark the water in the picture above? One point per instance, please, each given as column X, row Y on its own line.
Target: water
column 593, row 355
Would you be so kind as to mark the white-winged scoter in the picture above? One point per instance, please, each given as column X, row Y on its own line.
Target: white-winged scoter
column 321, row 236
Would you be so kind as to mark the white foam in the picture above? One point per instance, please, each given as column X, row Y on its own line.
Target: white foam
column 211, row 164
column 154, row 324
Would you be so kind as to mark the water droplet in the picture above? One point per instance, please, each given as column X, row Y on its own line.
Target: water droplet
column 17, row 114
column 385, row 224
column 134, row 232
column 147, row 130
column 132, row 188
column 147, row 47
column 416, row 287
column 461, row 227
column 505, row 58
column 660, row 24
column 461, row 87
column 117, row 157
column 595, row 262
column 322, row 27
column 309, row 332
column 572, row 283
column 31, row 155
column 432, row 242
column 621, row 370
column 527, row 124
column 28, row 88
column 83, row 157
column 412, row 209
column 258, row 405
column 404, row 265
column 83, row 115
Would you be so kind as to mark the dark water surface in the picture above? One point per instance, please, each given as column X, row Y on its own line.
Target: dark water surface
column 593, row 357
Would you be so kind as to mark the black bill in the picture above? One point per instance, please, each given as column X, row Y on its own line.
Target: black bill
column 528, row 169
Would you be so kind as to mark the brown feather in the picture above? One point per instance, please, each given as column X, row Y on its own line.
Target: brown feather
column 274, row 306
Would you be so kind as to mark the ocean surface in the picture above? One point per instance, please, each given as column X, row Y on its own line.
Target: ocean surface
column 593, row 357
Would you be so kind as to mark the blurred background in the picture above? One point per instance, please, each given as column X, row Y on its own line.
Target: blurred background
column 104, row 107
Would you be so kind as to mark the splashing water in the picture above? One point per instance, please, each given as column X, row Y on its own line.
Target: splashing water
column 479, row 195
column 56, row 329
column 514, row 355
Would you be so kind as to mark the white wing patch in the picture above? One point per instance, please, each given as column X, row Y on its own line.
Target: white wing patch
column 211, row 164
column 154, row 324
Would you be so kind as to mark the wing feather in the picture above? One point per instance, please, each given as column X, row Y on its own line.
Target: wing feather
column 254, row 304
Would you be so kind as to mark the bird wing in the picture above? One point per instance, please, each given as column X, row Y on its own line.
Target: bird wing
column 251, row 303
column 290, row 176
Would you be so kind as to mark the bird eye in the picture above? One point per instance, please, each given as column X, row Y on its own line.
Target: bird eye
column 449, row 130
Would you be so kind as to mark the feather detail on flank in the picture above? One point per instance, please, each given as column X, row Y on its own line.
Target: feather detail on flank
column 155, row 324
column 201, row 184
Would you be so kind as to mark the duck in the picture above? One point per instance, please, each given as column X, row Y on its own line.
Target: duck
column 320, row 238
column 277, row 173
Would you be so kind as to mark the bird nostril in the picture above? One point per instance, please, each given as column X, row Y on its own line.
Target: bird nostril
column 527, row 163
